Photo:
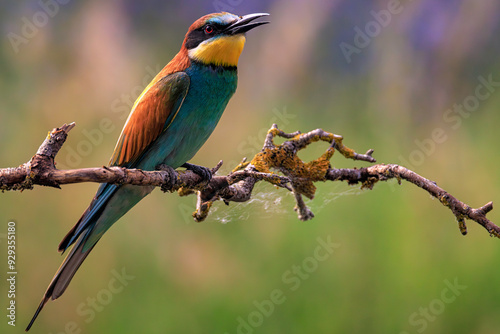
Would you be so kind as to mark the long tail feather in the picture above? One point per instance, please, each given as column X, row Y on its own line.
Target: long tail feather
column 63, row 276
column 110, row 203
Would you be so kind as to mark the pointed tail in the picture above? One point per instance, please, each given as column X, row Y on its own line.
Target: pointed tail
column 110, row 203
column 63, row 275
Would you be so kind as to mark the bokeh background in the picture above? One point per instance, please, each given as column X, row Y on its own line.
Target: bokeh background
column 383, row 74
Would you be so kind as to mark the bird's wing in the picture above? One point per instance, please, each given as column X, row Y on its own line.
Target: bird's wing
column 152, row 113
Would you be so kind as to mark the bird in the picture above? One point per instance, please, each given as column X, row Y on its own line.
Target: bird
column 168, row 124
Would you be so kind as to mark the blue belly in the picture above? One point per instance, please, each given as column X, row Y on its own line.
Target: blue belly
column 209, row 92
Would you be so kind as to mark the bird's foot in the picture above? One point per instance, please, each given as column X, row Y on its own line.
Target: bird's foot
column 170, row 178
column 204, row 172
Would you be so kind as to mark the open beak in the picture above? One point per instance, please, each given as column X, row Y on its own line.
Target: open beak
column 245, row 24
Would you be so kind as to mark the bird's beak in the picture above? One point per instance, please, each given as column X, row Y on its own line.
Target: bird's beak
column 243, row 24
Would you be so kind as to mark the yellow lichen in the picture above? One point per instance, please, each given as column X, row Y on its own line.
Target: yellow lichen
column 303, row 174
column 202, row 213
column 183, row 191
column 241, row 165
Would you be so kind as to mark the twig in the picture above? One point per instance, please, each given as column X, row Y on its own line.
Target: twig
column 370, row 175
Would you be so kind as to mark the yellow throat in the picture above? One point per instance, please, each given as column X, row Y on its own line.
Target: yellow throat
column 224, row 50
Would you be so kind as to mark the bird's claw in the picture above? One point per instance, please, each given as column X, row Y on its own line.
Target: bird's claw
column 165, row 167
column 204, row 172
column 170, row 177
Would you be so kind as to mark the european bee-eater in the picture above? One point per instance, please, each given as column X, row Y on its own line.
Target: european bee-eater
column 168, row 124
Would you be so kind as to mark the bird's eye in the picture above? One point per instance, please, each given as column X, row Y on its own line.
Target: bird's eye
column 209, row 29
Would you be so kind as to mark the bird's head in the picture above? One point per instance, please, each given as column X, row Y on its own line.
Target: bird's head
column 218, row 39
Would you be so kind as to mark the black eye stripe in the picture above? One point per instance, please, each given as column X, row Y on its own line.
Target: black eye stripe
column 216, row 27
column 199, row 35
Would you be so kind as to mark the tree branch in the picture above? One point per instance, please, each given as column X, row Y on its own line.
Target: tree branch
column 275, row 164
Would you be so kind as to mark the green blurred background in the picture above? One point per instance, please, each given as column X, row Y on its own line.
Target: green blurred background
column 396, row 252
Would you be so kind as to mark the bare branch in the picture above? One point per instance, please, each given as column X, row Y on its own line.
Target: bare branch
column 370, row 175
column 275, row 164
